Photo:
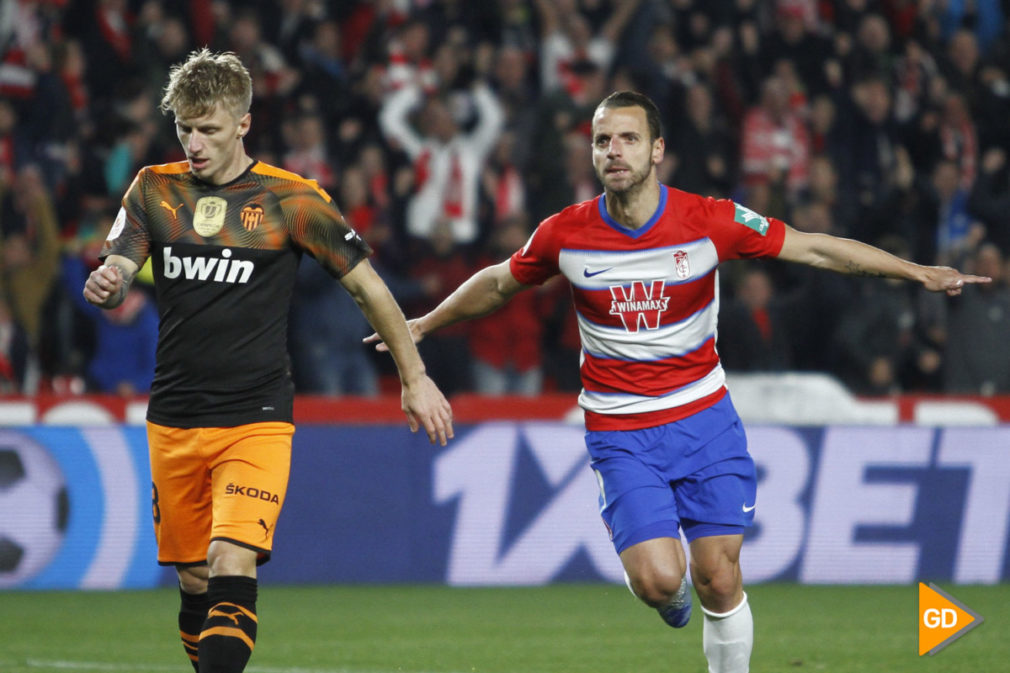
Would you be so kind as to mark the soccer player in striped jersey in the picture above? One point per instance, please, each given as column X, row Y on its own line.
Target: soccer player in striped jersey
column 225, row 234
column 664, row 440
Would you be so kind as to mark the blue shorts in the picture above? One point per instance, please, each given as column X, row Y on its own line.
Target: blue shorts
column 694, row 474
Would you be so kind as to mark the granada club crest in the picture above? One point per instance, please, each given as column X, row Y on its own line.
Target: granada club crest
column 251, row 216
column 682, row 265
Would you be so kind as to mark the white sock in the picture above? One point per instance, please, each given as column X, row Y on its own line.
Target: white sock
column 728, row 638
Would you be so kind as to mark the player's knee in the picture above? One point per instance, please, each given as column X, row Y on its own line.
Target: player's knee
column 193, row 580
column 226, row 558
column 717, row 584
column 655, row 586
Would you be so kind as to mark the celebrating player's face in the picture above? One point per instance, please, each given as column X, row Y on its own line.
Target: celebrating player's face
column 213, row 144
column 623, row 155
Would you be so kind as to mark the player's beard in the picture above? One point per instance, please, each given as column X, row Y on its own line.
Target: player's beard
column 632, row 184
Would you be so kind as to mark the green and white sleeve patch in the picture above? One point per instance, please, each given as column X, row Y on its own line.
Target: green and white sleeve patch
column 749, row 218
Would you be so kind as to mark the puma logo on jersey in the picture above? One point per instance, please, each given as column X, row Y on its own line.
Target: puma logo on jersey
column 217, row 269
column 164, row 204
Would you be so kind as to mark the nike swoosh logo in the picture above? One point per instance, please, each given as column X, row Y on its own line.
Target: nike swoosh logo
column 589, row 274
column 749, row 509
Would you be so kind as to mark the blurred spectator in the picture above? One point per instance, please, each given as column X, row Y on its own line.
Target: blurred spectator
column 502, row 181
column 580, row 179
column 439, row 268
column 794, row 40
column 289, row 25
column 67, row 336
column 125, row 338
column 985, row 16
column 518, row 25
column 15, row 147
column 823, row 134
column 740, row 66
column 518, row 97
column 958, row 140
column 666, row 72
column 775, row 144
column 701, row 146
column 990, row 198
column 956, row 233
column 273, row 78
column 753, row 336
column 165, row 41
column 567, row 37
column 869, row 156
column 562, row 343
column 447, row 159
column 507, row 345
column 326, row 76
column 309, row 155
column 871, row 55
column 105, row 29
column 813, row 301
column 825, row 190
column 358, row 208
column 373, row 165
column 126, row 154
column 913, row 71
column 272, row 75
column 559, row 114
column 29, row 248
column 880, row 345
column 14, row 353
column 48, row 119
column 978, row 322
column 327, row 355
column 409, row 63
column 960, row 64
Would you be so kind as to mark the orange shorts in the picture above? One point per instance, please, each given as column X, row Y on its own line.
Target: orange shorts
column 217, row 484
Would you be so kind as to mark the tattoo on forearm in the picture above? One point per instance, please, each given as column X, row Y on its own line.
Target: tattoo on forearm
column 857, row 270
column 117, row 299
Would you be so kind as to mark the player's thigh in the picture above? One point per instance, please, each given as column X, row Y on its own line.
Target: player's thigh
column 180, row 494
column 249, row 478
column 718, row 499
column 636, row 501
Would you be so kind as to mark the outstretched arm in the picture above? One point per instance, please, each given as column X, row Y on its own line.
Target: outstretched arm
column 423, row 402
column 484, row 292
column 845, row 255
column 106, row 286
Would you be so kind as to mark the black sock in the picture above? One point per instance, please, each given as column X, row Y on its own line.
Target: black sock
column 192, row 614
column 229, row 633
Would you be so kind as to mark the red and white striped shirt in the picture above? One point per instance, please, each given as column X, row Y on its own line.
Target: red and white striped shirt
column 647, row 300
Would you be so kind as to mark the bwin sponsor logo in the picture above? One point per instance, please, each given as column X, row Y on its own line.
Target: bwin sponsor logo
column 219, row 270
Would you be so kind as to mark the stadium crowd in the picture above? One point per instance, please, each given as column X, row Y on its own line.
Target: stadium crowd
column 447, row 129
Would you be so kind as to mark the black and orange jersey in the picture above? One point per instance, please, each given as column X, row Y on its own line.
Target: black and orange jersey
column 224, row 260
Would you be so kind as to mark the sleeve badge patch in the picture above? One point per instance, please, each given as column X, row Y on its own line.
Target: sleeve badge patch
column 749, row 218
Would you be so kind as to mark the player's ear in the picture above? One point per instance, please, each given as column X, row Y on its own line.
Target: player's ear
column 244, row 122
column 658, row 150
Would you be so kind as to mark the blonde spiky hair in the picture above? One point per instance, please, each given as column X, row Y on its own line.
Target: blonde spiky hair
column 205, row 79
